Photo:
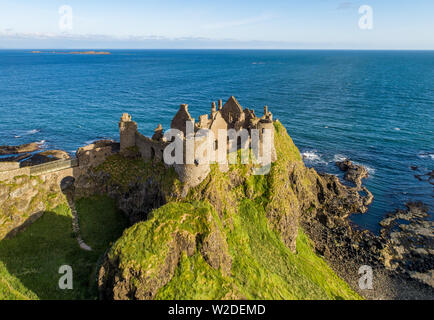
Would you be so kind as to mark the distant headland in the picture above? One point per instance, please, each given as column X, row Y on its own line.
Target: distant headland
column 74, row 52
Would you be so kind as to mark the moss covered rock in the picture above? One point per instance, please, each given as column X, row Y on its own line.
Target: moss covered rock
column 236, row 235
column 23, row 199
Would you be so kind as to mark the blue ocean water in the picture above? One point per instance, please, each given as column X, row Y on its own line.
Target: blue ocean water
column 375, row 107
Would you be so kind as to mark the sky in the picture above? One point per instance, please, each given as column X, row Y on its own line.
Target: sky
column 222, row 24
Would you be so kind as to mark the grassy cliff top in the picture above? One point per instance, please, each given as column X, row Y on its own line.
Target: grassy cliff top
column 235, row 235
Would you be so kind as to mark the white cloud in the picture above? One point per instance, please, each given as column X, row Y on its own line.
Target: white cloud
column 345, row 5
column 237, row 23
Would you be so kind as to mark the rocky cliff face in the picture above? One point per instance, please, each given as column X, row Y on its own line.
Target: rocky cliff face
column 24, row 199
column 199, row 228
column 214, row 241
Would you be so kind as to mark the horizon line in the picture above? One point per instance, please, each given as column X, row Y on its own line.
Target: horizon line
column 205, row 49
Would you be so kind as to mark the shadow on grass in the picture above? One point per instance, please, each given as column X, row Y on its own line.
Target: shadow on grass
column 35, row 255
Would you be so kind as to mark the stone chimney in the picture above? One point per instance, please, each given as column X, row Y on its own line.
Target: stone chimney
column 158, row 133
column 203, row 121
column 125, row 117
column 220, row 104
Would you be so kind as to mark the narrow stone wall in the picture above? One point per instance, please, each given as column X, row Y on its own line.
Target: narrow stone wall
column 150, row 149
column 26, row 193
column 23, row 199
column 10, row 174
column 7, row 165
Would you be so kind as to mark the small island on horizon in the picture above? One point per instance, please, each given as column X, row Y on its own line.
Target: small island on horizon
column 75, row 52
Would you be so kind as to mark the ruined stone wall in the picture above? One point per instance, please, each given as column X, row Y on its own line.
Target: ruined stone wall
column 26, row 193
column 9, row 174
column 24, row 198
column 94, row 154
column 6, row 166
column 127, row 130
column 150, row 149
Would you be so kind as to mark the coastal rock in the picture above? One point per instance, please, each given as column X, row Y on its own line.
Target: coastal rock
column 177, row 238
column 409, row 238
column 353, row 173
column 288, row 194
column 427, row 177
column 15, row 158
column 28, row 147
column 115, row 284
column 44, row 157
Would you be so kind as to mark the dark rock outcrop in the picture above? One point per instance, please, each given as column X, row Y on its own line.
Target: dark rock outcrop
column 353, row 173
column 116, row 285
column 44, row 157
column 398, row 257
column 427, row 177
column 409, row 238
column 28, row 147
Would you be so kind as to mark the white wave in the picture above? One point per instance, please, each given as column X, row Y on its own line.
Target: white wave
column 310, row 155
column 17, row 136
column 313, row 157
column 41, row 143
column 370, row 170
column 339, row 157
column 397, row 129
column 32, row 131
column 425, row 155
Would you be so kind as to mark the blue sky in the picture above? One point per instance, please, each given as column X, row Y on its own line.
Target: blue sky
column 314, row 24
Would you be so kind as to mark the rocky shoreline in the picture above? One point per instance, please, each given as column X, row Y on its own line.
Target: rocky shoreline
column 24, row 148
column 29, row 154
column 402, row 256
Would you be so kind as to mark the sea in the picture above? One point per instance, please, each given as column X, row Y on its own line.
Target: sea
column 373, row 107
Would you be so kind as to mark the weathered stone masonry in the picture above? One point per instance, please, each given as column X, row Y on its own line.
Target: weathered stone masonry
column 228, row 116
column 25, row 193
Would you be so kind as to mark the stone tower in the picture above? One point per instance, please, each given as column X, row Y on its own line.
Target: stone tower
column 127, row 132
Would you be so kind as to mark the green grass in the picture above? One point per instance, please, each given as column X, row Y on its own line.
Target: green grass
column 262, row 266
column 247, row 210
column 243, row 210
column 30, row 261
column 123, row 171
column 11, row 288
column 145, row 245
column 261, row 260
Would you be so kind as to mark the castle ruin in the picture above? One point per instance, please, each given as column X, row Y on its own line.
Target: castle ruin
column 228, row 116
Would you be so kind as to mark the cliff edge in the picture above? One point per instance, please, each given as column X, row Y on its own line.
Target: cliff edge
column 236, row 235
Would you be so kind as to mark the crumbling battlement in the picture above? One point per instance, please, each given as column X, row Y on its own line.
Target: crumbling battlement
column 228, row 116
